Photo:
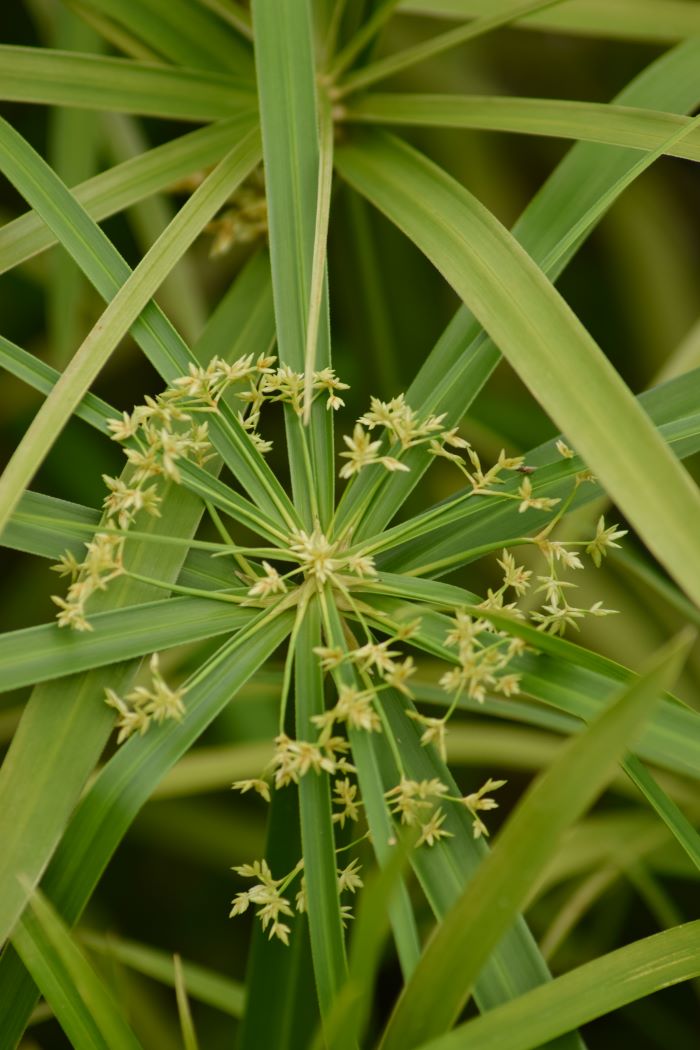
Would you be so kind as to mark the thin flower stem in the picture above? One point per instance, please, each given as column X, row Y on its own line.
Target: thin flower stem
column 561, row 511
column 226, row 536
column 471, row 555
column 379, row 708
column 195, row 592
column 256, row 520
column 298, row 867
column 354, row 606
column 130, row 534
column 414, row 527
column 240, row 636
column 359, row 512
column 345, row 671
column 395, row 450
column 355, row 842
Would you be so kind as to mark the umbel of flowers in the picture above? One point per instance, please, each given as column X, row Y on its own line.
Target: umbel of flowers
column 369, row 654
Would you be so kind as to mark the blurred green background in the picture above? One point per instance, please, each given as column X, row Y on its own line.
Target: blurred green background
column 634, row 285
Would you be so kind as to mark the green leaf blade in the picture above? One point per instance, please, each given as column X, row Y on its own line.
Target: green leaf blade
column 584, row 121
column 83, row 1006
column 583, row 186
column 543, row 340
column 317, row 832
column 432, row 1000
column 286, row 86
column 583, row 994
column 64, row 78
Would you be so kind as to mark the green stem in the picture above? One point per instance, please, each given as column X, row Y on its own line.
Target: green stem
column 471, row 555
column 228, row 539
column 252, row 629
column 195, row 592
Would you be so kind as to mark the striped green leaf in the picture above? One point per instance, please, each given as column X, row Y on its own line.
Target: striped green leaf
column 505, row 13
column 317, row 831
column 586, row 121
column 433, row 998
column 48, row 652
column 106, row 269
column 123, row 310
column 106, row 811
column 286, row 86
column 183, row 32
column 62, row 78
column 543, row 340
column 63, row 730
column 84, row 1008
column 660, row 21
column 204, row 985
column 123, row 185
column 574, row 198
column 583, row 994
column 565, row 676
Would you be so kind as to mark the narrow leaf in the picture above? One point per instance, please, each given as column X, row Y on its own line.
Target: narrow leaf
column 117, row 319
column 189, row 1036
column 123, row 185
column 317, row 832
column 82, row 1005
column 585, row 184
column 48, row 652
column 386, row 67
column 661, row 21
column 182, row 32
column 586, row 121
column 590, row 991
column 63, row 78
column 433, row 998
column 544, row 342
column 286, row 86
column 204, row 985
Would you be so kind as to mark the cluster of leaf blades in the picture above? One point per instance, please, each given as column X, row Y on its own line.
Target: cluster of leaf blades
column 256, row 80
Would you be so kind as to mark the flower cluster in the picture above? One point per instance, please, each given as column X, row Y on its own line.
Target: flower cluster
column 293, row 759
column 482, row 482
column 402, row 427
column 414, row 803
column 266, row 894
column 166, row 440
column 102, row 563
column 287, row 387
column 156, row 702
column 483, row 656
column 244, row 220
column 557, row 612
column 323, row 561
column 401, row 423
column 478, row 802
